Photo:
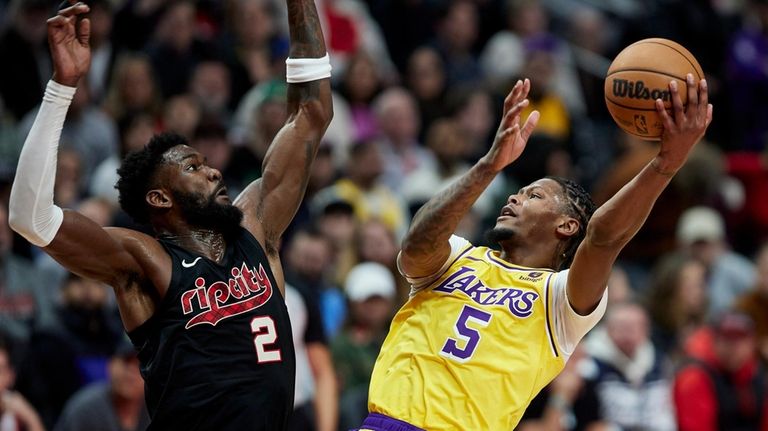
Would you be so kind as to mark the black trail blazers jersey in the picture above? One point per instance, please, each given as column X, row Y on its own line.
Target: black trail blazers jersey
column 218, row 354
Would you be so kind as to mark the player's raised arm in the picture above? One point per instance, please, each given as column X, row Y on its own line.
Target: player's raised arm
column 425, row 248
column 74, row 240
column 619, row 219
column 270, row 203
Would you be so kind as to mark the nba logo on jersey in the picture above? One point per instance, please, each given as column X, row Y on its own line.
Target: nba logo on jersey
column 246, row 290
column 518, row 301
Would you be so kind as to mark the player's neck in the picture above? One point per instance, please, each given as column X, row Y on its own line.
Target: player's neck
column 206, row 242
column 531, row 256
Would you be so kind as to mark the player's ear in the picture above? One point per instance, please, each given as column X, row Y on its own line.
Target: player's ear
column 567, row 226
column 159, row 198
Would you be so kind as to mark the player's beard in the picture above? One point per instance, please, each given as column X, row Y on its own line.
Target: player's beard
column 498, row 234
column 206, row 213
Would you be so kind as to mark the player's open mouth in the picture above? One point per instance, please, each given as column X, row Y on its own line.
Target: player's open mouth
column 222, row 192
column 507, row 212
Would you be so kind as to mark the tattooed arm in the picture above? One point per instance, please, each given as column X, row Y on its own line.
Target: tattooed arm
column 271, row 202
column 425, row 247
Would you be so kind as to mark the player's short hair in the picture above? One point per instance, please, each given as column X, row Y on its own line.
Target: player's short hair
column 581, row 207
column 137, row 174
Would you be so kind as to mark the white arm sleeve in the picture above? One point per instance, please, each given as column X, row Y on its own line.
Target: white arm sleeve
column 570, row 326
column 458, row 246
column 31, row 211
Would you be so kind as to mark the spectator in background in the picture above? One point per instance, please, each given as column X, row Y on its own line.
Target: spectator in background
column 541, row 63
column 748, row 78
column 336, row 221
column 175, row 50
column 425, row 78
column 267, row 112
column 750, row 222
column 23, row 45
column 133, row 88
column 72, row 352
column 181, row 114
column 316, row 395
column 446, row 141
column 398, row 119
column 16, row 414
column 135, row 22
column 503, row 57
column 472, row 109
column 349, row 28
column 361, row 84
column 88, row 131
column 632, row 381
column 755, row 302
column 113, row 405
column 455, row 38
column 701, row 233
column 370, row 288
column 251, row 44
column 26, row 297
column 724, row 386
column 102, row 50
column 569, row 402
column 307, row 258
column 134, row 131
column 677, row 301
column 210, row 87
column 363, row 189
column 375, row 242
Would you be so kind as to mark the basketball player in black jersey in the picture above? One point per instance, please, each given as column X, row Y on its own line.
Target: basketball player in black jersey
column 203, row 300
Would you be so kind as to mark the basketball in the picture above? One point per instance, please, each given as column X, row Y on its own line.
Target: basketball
column 639, row 75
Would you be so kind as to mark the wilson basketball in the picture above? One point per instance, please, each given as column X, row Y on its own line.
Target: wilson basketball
column 639, row 75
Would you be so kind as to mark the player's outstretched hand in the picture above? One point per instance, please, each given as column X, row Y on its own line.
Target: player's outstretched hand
column 68, row 38
column 685, row 127
column 511, row 138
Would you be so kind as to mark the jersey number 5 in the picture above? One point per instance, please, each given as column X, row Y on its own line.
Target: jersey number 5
column 264, row 334
column 465, row 335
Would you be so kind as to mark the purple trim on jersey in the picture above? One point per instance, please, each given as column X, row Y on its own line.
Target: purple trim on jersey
column 474, row 259
column 547, row 316
column 506, row 265
column 469, row 247
column 379, row 422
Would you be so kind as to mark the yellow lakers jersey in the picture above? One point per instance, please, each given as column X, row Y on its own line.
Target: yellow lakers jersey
column 471, row 349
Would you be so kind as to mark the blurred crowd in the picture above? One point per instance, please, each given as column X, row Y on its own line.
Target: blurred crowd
column 418, row 86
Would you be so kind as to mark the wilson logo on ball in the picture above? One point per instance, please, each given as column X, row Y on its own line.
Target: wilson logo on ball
column 638, row 90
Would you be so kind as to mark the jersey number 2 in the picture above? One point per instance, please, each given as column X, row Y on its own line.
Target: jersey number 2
column 264, row 334
column 465, row 335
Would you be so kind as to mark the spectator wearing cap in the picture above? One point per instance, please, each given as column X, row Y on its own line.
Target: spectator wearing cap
column 701, row 233
column 114, row 405
column 370, row 288
column 723, row 387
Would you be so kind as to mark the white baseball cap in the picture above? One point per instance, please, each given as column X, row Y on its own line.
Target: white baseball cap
column 700, row 224
column 369, row 279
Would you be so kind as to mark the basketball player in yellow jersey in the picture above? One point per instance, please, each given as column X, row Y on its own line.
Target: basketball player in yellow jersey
column 484, row 331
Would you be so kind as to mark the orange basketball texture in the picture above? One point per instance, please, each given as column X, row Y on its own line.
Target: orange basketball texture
column 639, row 75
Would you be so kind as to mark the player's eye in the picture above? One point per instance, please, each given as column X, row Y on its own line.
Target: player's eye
column 191, row 167
column 536, row 195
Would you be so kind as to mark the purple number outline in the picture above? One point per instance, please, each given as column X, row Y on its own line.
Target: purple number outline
column 471, row 337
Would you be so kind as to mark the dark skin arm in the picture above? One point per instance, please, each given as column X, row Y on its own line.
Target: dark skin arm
column 619, row 219
column 426, row 247
column 131, row 262
column 270, row 203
